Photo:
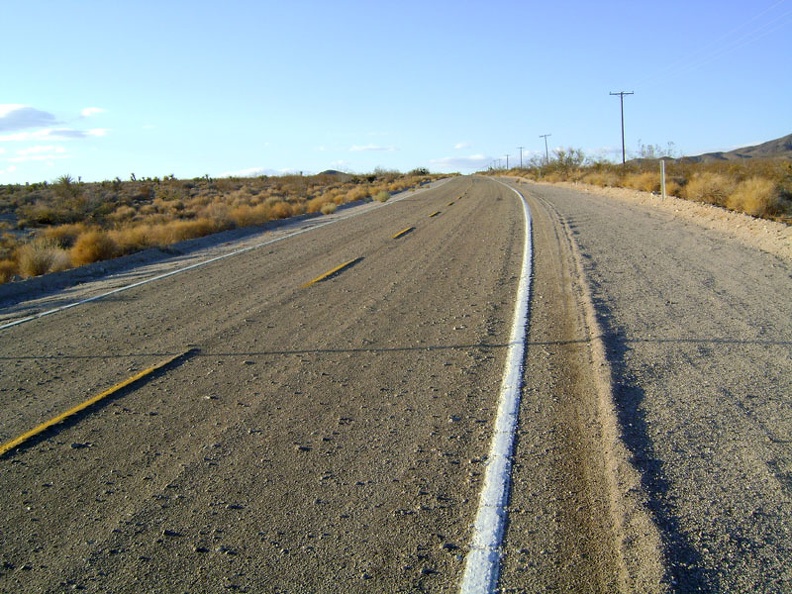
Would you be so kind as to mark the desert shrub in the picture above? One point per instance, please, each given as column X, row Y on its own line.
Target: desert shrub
column 316, row 204
column 709, row 187
column 602, row 178
column 8, row 270
column 168, row 206
column 645, row 181
column 382, row 196
column 41, row 256
column 216, row 211
column 8, row 245
column 357, row 193
column 64, row 235
column 329, row 208
column 298, row 207
column 93, row 246
column 246, row 215
column 122, row 214
column 673, row 188
column 282, row 210
column 755, row 196
column 182, row 230
column 132, row 239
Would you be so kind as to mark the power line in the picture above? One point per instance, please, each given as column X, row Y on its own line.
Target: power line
column 621, row 95
column 722, row 45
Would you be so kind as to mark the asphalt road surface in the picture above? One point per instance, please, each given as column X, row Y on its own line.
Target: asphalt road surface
column 333, row 435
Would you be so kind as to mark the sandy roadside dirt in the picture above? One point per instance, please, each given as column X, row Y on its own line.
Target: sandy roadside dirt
column 769, row 236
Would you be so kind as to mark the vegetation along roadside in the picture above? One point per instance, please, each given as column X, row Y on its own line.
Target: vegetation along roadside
column 49, row 227
column 760, row 187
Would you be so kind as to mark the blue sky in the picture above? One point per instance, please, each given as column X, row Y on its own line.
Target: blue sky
column 104, row 89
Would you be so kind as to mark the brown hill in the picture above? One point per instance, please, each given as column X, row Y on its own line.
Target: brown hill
column 780, row 148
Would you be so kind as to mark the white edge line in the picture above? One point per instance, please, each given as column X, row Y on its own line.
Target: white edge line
column 482, row 565
column 193, row 266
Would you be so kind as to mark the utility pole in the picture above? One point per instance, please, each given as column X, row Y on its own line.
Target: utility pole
column 547, row 153
column 521, row 148
column 621, row 95
column 507, row 161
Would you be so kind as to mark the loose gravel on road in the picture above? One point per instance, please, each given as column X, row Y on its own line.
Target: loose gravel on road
column 334, row 437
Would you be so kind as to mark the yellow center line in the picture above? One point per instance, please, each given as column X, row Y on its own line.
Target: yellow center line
column 332, row 272
column 14, row 443
column 403, row 232
column 434, row 214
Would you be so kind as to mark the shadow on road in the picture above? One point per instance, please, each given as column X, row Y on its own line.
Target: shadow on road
column 685, row 570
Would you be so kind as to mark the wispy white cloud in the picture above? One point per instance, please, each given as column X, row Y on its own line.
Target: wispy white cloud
column 462, row 145
column 6, row 108
column 90, row 111
column 371, row 148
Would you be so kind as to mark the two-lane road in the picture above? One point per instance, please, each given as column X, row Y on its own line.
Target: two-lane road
column 325, row 436
column 330, row 432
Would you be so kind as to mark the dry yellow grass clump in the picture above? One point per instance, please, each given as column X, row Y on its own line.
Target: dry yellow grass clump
column 756, row 196
column 709, row 187
column 93, row 246
column 41, row 256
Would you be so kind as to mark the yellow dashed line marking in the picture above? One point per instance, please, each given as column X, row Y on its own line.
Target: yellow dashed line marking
column 15, row 443
column 403, row 232
column 332, row 272
column 434, row 214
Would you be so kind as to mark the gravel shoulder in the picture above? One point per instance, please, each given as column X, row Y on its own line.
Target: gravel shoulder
column 769, row 236
column 696, row 323
column 577, row 516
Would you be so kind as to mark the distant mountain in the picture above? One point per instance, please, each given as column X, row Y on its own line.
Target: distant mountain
column 339, row 175
column 781, row 148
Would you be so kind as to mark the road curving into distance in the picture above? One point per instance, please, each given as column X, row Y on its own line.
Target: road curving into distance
column 326, row 419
